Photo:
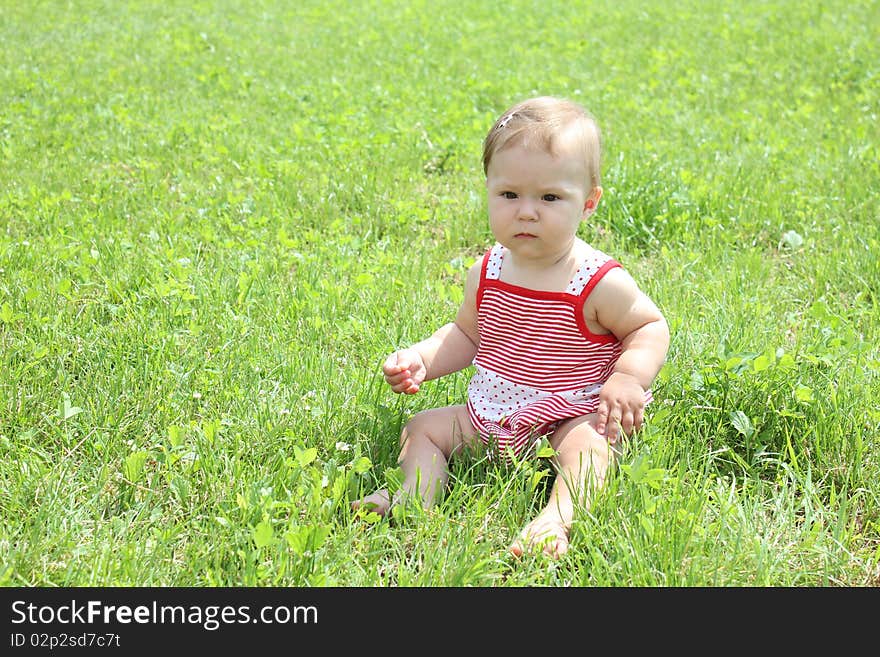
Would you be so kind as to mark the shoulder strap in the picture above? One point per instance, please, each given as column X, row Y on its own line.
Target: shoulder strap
column 592, row 269
column 491, row 269
column 492, row 262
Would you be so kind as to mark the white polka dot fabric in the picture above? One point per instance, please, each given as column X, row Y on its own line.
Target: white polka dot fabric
column 497, row 399
column 493, row 266
column 582, row 276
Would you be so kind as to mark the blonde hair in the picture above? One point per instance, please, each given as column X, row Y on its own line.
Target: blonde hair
column 539, row 122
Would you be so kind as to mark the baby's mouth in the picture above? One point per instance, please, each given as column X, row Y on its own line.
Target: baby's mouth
column 526, row 235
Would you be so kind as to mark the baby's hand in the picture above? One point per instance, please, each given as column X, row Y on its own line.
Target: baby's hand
column 621, row 406
column 404, row 371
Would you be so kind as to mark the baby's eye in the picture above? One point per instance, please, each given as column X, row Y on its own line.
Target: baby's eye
column 509, row 195
column 550, row 197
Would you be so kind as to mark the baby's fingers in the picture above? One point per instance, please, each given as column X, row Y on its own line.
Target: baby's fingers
column 627, row 423
column 610, row 419
column 612, row 430
column 407, row 386
column 394, row 365
column 602, row 417
column 393, row 378
column 402, row 382
column 398, row 371
column 638, row 419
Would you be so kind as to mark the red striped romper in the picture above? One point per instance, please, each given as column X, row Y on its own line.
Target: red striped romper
column 537, row 364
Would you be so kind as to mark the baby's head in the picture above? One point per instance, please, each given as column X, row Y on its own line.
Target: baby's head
column 551, row 124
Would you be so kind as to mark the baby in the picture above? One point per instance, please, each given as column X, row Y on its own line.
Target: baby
column 564, row 343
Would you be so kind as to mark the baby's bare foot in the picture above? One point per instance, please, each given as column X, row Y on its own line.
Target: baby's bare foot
column 379, row 502
column 545, row 532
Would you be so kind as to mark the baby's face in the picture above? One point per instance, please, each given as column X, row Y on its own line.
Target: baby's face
column 536, row 199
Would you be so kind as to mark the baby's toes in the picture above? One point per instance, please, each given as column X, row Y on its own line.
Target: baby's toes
column 516, row 548
column 556, row 547
column 378, row 502
column 548, row 536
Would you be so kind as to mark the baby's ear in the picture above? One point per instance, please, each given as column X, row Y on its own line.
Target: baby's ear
column 592, row 201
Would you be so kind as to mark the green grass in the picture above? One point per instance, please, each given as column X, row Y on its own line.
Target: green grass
column 216, row 219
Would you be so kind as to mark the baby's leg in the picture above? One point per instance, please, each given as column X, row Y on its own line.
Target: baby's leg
column 582, row 459
column 427, row 442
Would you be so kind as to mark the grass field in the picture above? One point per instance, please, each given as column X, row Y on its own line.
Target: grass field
column 217, row 218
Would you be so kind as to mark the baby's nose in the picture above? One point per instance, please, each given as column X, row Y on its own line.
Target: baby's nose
column 527, row 211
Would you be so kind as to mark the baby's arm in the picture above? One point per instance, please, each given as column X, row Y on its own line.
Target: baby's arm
column 632, row 317
column 451, row 348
